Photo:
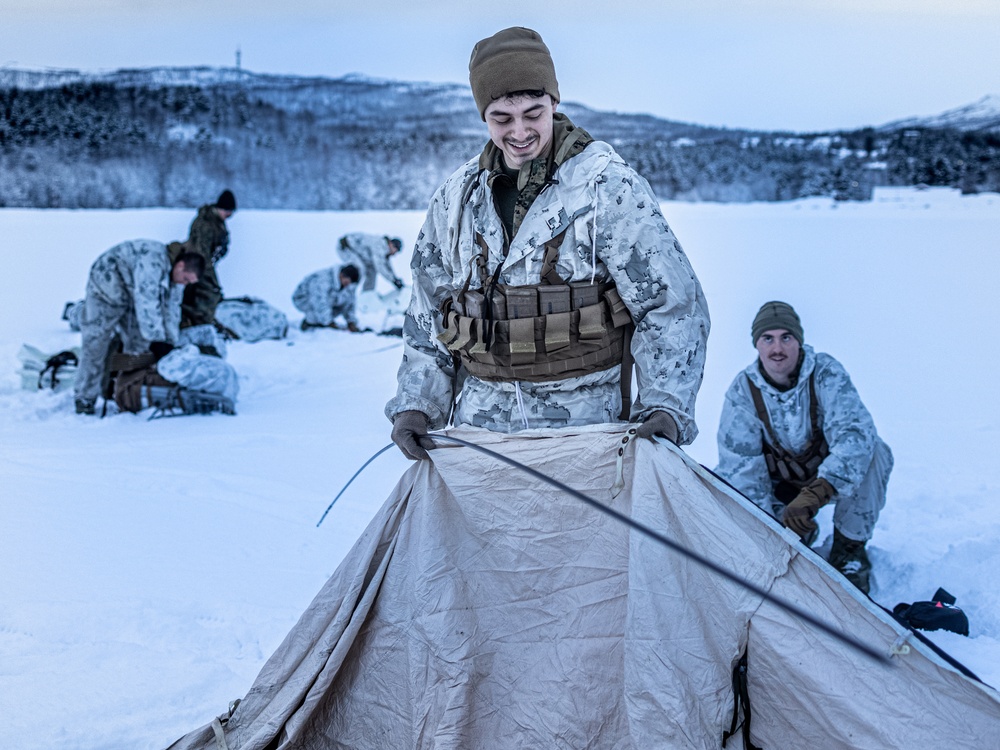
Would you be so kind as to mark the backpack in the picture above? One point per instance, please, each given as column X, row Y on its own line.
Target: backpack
column 250, row 319
column 128, row 388
column 139, row 389
column 40, row 371
column 940, row 613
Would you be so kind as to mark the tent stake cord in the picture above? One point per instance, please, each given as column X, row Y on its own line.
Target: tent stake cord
column 342, row 491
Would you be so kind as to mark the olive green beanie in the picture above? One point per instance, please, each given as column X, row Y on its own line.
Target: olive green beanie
column 515, row 59
column 776, row 316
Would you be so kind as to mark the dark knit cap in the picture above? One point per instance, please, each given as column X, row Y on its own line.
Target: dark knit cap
column 226, row 201
column 515, row 59
column 778, row 316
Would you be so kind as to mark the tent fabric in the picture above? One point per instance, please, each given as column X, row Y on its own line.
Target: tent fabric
column 252, row 319
column 482, row 608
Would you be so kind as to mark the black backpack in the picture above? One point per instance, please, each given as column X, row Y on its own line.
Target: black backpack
column 940, row 613
column 50, row 372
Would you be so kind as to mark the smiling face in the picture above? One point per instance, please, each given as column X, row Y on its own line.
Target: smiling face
column 779, row 354
column 521, row 127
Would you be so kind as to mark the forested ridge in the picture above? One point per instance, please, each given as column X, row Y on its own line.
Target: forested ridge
column 173, row 137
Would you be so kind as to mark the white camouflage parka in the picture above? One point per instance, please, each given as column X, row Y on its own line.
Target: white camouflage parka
column 846, row 424
column 614, row 230
column 129, row 291
column 130, row 284
column 321, row 297
column 369, row 253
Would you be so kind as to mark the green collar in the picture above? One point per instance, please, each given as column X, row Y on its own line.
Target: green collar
column 567, row 141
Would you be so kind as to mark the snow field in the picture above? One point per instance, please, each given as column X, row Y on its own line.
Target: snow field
column 148, row 568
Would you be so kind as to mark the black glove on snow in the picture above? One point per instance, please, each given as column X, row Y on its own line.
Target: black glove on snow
column 659, row 423
column 409, row 432
column 160, row 349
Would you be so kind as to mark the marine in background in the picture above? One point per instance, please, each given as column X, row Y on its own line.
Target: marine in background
column 371, row 255
column 326, row 295
column 209, row 238
column 794, row 435
column 134, row 290
column 543, row 269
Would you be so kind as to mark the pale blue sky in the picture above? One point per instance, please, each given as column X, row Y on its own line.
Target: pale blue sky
column 795, row 64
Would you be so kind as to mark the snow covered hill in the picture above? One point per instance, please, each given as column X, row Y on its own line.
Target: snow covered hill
column 148, row 568
column 158, row 136
column 980, row 115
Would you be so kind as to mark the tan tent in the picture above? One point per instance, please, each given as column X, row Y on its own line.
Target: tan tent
column 484, row 609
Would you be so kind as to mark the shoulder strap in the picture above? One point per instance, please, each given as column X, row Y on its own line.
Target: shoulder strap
column 762, row 415
column 549, row 273
column 482, row 260
column 814, row 408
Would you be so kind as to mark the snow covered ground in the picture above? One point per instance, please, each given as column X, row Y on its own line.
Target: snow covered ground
column 148, row 568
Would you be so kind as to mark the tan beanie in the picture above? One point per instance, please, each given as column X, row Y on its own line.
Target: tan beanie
column 776, row 316
column 515, row 59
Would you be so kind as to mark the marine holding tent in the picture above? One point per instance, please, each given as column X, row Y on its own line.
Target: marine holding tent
column 481, row 607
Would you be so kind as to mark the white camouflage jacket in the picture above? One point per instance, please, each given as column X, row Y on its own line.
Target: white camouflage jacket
column 321, row 297
column 634, row 246
column 134, row 276
column 370, row 251
column 846, row 424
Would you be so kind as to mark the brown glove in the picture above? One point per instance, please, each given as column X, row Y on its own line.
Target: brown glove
column 799, row 513
column 409, row 433
column 659, row 423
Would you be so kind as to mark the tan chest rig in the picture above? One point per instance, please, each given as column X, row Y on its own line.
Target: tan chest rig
column 541, row 332
column 784, row 467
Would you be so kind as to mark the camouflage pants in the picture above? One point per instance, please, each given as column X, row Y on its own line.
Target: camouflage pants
column 99, row 322
column 314, row 305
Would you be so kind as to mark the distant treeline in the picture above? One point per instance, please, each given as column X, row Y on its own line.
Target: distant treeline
column 372, row 145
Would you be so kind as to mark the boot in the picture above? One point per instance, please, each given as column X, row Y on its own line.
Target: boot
column 849, row 557
column 85, row 407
